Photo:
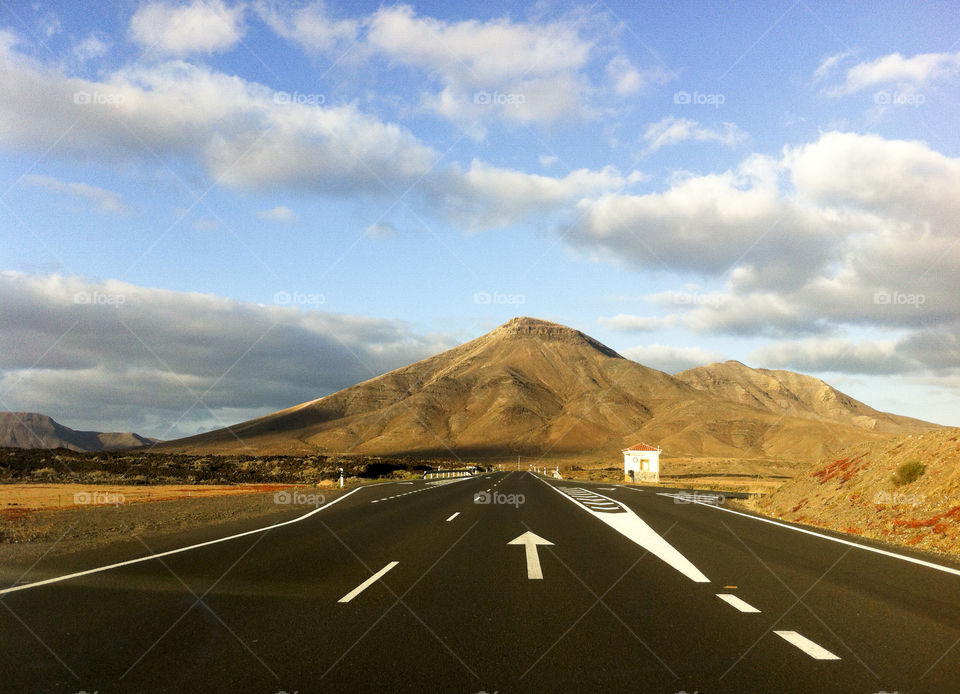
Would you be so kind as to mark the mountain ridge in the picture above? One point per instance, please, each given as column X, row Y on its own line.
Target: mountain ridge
column 787, row 392
column 534, row 388
column 34, row 430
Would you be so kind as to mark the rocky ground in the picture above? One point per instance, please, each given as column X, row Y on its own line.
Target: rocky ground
column 905, row 491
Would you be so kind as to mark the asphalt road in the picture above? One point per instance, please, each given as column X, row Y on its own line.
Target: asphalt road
column 415, row 587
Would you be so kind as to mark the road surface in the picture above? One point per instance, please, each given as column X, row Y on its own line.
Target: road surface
column 507, row 582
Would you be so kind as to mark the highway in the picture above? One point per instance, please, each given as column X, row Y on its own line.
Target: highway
column 507, row 582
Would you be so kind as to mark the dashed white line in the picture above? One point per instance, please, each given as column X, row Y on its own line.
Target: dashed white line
column 453, row 516
column 814, row 650
column 736, row 602
column 366, row 584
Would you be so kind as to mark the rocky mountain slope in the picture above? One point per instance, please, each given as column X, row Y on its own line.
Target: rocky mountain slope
column 796, row 395
column 533, row 388
column 31, row 430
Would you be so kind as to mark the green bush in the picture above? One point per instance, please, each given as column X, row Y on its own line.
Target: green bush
column 909, row 472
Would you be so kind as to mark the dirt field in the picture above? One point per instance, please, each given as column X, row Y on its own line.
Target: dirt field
column 17, row 498
column 753, row 476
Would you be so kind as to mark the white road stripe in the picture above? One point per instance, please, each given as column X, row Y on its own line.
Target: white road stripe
column 814, row 650
column 868, row 548
column 173, row 551
column 741, row 605
column 366, row 584
column 453, row 516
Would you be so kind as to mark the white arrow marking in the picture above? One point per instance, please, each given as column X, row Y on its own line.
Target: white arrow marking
column 630, row 525
column 530, row 542
column 814, row 650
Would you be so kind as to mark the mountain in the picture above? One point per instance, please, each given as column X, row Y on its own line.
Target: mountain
column 532, row 388
column 31, row 430
column 795, row 395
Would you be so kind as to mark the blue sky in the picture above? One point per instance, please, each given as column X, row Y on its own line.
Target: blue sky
column 212, row 210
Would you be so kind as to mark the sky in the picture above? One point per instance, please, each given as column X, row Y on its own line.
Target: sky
column 213, row 210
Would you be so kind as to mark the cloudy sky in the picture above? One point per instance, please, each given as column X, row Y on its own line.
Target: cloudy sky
column 212, row 210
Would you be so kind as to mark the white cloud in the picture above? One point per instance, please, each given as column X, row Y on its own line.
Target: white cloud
column 495, row 69
column 310, row 26
column 672, row 130
column 628, row 323
column 89, row 48
column 848, row 231
column 828, row 66
column 627, row 80
column 486, row 196
column 49, row 24
column 671, row 359
column 895, row 69
column 834, row 355
column 709, row 224
column 105, row 200
column 203, row 26
column 278, row 214
column 380, row 230
column 238, row 131
column 115, row 356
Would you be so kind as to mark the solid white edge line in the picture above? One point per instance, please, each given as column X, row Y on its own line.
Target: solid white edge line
column 737, row 603
column 99, row 569
column 868, row 548
column 366, row 584
column 453, row 516
column 812, row 649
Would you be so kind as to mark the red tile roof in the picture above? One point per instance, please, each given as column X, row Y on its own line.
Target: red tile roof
column 642, row 447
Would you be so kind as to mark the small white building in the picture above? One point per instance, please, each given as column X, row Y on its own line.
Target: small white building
column 641, row 463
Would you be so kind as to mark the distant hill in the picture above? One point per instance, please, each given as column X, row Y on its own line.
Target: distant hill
column 796, row 395
column 859, row 490
column 532, row 388
column 31, row 430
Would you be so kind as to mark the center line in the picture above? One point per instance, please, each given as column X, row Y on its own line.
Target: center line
column 741, row 605
column 366, row 584
column 814, row 650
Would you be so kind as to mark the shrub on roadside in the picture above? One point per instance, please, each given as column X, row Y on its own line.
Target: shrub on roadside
column 909, row 472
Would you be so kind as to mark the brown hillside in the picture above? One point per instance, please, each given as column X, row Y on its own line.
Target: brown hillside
column 796, row 395
column 855, row 492
column 31, row 430
column 529, row 387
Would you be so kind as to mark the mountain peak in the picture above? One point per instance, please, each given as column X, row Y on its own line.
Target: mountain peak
column 547, row 331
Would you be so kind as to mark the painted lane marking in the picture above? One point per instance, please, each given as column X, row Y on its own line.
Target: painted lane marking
column 78, row 574
column 686, row 498
column 814, row 650
column 736, row 602
column 430, row 485
column 366, row 584
column 530, row 541
column 631, row 526
column 868, row 548
column 453, row 516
